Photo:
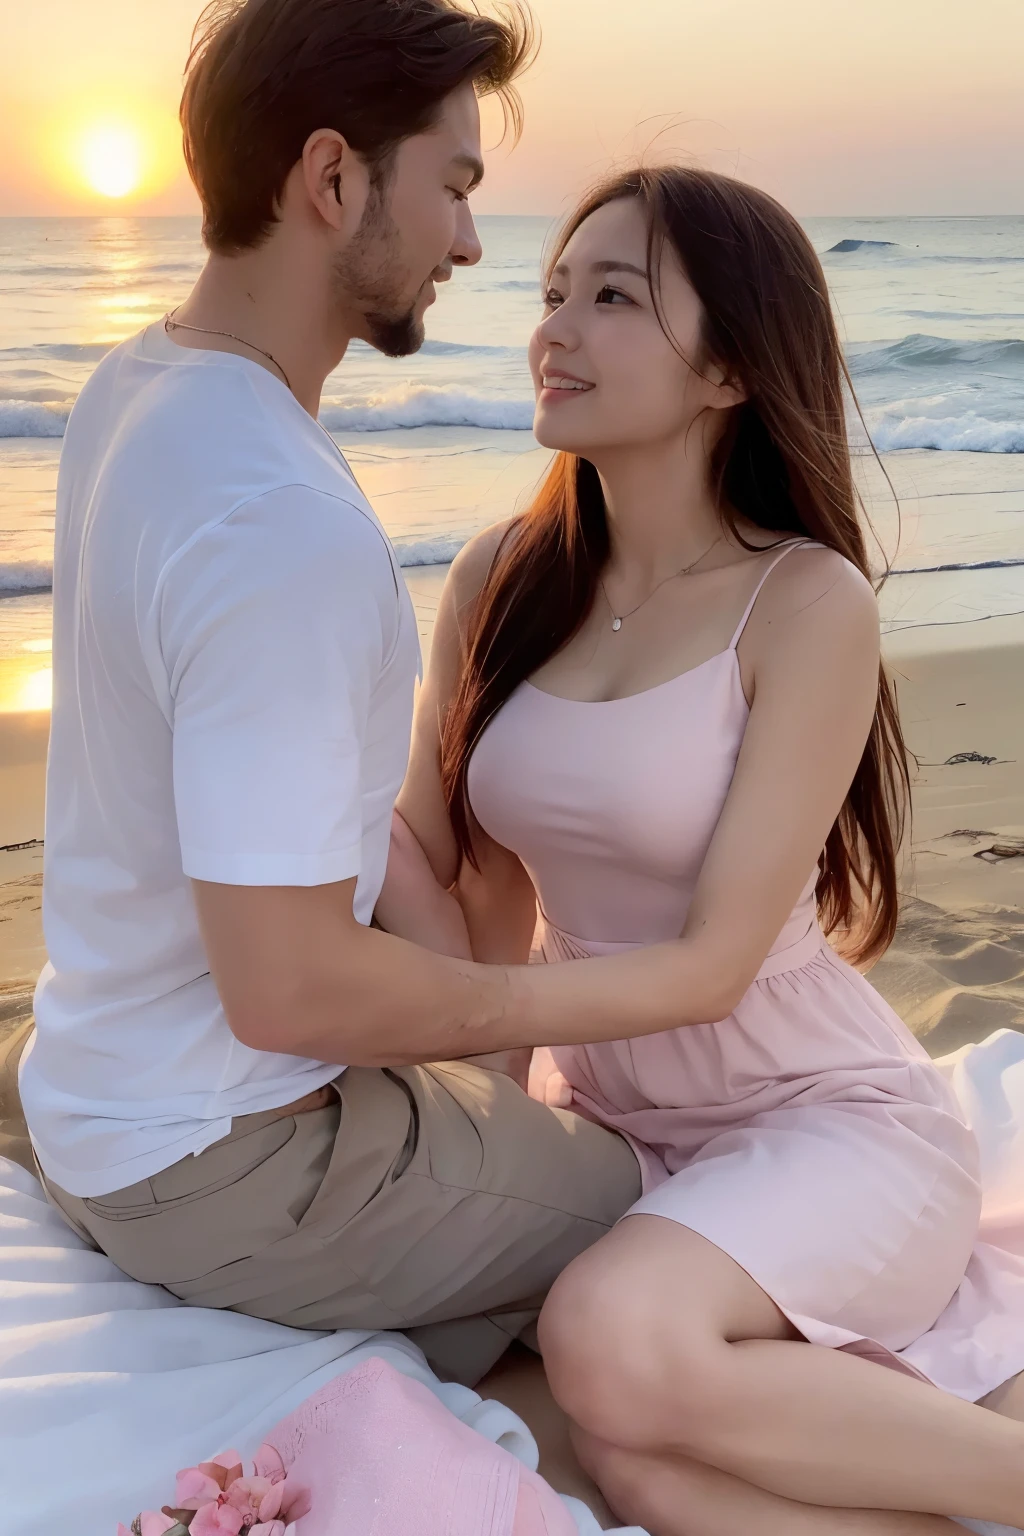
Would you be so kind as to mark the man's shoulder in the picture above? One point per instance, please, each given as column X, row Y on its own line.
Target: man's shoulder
column 206, row 440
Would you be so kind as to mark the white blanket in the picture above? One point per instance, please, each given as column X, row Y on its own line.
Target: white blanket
column 108, row 1386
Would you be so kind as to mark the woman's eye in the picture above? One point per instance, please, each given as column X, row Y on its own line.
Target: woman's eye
column 613, row 296
column 552, row 299
column 460, row 197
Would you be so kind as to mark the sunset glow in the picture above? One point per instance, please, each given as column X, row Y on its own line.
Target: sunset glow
column 111, row 159
column 873, row 108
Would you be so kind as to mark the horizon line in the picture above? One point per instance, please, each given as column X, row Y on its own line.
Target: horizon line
column 197, row 217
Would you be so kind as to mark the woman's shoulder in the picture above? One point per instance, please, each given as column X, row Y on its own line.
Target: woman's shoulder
column 813, row 593
column 474, row 560
column 814, row 573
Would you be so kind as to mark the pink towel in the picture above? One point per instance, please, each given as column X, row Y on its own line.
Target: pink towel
column 381, row 1456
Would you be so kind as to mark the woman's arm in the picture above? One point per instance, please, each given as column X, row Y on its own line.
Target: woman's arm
column 413, row 905
column 498, row 899
column 490, row 913
column 810, row 659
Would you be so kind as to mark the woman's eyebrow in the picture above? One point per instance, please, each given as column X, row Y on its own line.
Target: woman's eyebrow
column 602, row 268
column 473, row 165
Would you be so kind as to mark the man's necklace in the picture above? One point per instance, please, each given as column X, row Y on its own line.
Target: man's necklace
column 170, row 324
column 617, row 618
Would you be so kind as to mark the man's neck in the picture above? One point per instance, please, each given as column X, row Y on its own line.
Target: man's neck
column 268, row 306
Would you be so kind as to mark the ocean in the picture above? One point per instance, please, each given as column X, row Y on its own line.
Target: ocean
column 931, row 310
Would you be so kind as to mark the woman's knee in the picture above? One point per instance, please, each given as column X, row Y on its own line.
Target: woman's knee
column 626, row 1370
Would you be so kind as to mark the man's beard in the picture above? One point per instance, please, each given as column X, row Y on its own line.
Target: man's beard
column 374, row 281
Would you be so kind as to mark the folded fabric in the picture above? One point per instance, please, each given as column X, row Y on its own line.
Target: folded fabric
column 377, row 1453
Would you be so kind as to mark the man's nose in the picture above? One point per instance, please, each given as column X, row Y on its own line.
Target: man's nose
column 466, row 249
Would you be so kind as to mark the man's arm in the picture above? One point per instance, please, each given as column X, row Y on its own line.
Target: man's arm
column 298, row 974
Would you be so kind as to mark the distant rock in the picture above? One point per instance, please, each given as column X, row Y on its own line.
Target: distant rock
column 845, row 246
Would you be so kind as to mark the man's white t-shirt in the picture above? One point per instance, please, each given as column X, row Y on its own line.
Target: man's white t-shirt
column 235, row 656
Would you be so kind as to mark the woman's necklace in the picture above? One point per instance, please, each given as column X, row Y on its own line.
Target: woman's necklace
column 170, row 324
column 617, row 618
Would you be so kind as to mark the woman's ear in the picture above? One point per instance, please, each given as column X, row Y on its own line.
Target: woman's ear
column 727, row 388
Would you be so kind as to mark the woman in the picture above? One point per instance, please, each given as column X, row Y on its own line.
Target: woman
column 655, row 699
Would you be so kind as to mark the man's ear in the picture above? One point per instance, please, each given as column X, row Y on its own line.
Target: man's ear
column 336, row 180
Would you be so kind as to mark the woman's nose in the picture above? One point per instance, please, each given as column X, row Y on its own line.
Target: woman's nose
column 558, row 330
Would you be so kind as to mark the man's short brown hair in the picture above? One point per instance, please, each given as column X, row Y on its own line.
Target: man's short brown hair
column 265, row 74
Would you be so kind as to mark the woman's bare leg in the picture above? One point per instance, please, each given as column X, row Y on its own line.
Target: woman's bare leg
column 1008, row 1399
column 673, row 1496
column 656, row 1342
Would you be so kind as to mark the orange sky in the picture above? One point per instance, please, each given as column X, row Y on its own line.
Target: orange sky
column 837, row 106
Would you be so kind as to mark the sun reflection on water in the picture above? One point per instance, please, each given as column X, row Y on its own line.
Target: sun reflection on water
column 26, row 685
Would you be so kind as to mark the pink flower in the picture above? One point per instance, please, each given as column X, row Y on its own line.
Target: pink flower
column 256, row 1497
column 195, row 1489
column 222, row 1501
column 263, row 1501
column 217, row 1520
column 205, row 1484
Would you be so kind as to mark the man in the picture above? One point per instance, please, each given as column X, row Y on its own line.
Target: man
column 235, row 657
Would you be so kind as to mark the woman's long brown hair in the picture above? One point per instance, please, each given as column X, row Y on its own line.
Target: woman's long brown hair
column 783, row 464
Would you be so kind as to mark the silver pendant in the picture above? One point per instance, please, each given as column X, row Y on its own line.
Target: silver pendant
column 616, row 625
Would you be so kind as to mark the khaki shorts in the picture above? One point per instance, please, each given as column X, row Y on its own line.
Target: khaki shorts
column 437, row 1200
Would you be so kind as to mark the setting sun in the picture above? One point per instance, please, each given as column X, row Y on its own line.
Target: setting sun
column 111, row 159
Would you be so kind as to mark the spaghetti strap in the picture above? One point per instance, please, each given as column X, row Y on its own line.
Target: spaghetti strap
column 781, row 553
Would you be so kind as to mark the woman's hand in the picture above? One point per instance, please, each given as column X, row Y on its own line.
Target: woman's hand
column 413, row 906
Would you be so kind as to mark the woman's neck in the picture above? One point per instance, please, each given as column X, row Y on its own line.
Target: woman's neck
column 661, row 513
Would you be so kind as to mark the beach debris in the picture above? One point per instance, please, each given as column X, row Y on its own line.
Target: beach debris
column 968, row 757
column 1005, row 848
column 36, row 842
column 972, row 834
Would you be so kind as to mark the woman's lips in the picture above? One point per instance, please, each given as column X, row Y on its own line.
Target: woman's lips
column 563, row 386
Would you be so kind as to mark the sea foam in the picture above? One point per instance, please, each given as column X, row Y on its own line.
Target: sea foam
column 29, row 418
column 23, row 576
column 427, row 405
column 892, row 429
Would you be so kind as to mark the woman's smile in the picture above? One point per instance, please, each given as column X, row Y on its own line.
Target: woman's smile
column 556, row 384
